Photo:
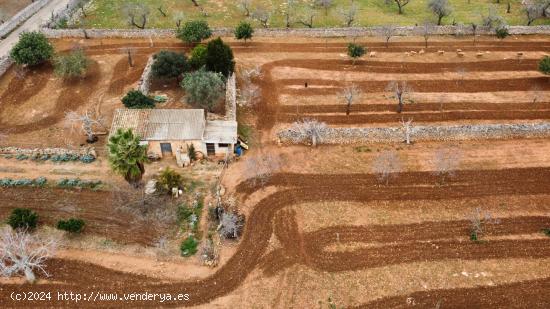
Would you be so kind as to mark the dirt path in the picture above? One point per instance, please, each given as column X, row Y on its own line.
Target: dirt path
column 410, row 186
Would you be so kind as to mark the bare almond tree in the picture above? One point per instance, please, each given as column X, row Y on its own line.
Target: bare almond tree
column 407, row 129
column 325, row 4
column 231, row 225
column 24, row 253
column 388, row 31
column 478, row 219
column 400, row 90
column 87, row 122
column 307, row 16
column 427, row 30
column 245, row 5
column 348, row 14
column 262, row 15
column 308, row 130
column 534, row 10
column 137, row 14
column 288, row 11
column 129, row 51
column 178, row 19
column 401, row 4
column 386, row 165
column 250, row 93
column 446, row 162
column 349, row 94
column 260, row 169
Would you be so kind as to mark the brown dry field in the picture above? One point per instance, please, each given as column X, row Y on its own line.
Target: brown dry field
column 324, row 226
column 11, row 7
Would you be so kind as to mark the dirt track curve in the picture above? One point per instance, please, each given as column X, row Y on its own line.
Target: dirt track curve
column 311, row 247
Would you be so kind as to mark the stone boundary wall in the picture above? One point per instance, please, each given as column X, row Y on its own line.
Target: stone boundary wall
column 21, row 17
column 144, row 83
column 298, row 32
column 420, row 133
column 231, row 99
column 5, row 63
column 49, row 151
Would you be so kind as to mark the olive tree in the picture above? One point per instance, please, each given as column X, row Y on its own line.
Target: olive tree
column 440, row 8
column 137, row 13
column 74, row 64
column 244, row 31
column 194, row 31
column 203, row 88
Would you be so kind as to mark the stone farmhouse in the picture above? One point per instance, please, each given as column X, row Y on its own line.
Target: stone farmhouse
column 169, row 132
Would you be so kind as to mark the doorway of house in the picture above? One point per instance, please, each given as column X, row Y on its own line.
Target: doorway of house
column 210, row 149
column 166, row 149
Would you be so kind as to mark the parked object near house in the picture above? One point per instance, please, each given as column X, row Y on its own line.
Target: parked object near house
column 168, row 132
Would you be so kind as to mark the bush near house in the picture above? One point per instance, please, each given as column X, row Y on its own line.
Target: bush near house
column 169, row 65
column 203, row 89
column 198, row 57
column 71, row 65
column 189, row 246
column 219, row 57
column 136, row 99
column 169, row 179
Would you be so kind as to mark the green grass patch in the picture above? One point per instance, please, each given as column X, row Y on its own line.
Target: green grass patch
column 189, row 246
column 225, row 13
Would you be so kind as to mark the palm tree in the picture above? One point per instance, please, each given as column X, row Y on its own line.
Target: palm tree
column 127, row 156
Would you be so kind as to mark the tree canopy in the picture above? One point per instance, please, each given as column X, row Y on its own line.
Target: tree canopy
column 356, row 51
column 194, row 31
column 244, row 31
column 169, row 65
column 74, row 64
column 203, row 88
column 219, row 57
column 198, row 57
column 136, row 99
column 33, row 48
column 126, row 156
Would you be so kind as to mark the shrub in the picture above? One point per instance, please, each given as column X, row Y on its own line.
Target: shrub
column 23, row 218
column 71, row 65
column 87, row 158
column 203, row 89
column 194, row 31
column 198, row 57
column 546, row 232
column 244, row 31
column 71, row 225
column 40, row 181
column 169, row 179
column 191, row 152
column 136, row 99
column 77, row 183
column 544, row 65
column 356, row 51
column 21, row 157
column 502, row 32
column 219, row 57
column 32, row 49
column 169, row 65
column 189, row 246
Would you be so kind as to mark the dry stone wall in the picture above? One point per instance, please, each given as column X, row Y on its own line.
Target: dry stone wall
column 5, row 63
column 298, row 32
column 231, row 99
column 21, row 17
column 421, row 133
column 48, row 151
column 144, row 84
